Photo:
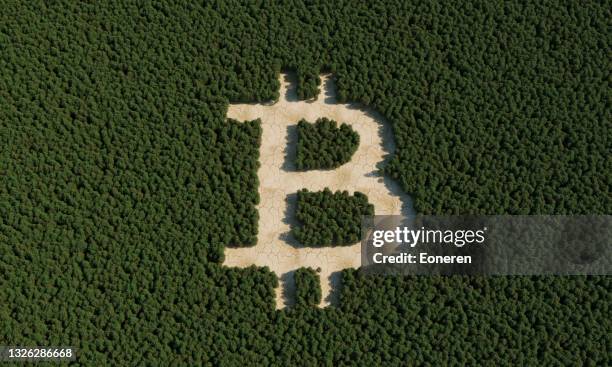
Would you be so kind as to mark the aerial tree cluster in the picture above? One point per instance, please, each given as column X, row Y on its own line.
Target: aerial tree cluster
column 121, row 181
column 329, row 218
column 443, row 320
column 308, row 83
column 324, row 145
column 307, row 287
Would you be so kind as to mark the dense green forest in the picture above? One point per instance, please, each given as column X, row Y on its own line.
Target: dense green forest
column 121, row 180
column 324, row 145
column 329, row 218
column 307, row 287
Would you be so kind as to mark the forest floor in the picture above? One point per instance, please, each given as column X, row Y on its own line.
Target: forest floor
column 279, row 182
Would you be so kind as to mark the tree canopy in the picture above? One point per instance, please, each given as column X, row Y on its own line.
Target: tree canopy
column 121, row 181
column 329, row 218
column 307, row 287
column 324, row 145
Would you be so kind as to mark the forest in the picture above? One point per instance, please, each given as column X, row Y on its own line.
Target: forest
column 307, row 287
column 324, row 145
column 329, row 218
column 121, row 181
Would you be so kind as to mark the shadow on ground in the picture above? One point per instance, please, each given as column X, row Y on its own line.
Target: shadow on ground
column 287, row 282
column 291, row 81
column 335, row 281
column 290, row 219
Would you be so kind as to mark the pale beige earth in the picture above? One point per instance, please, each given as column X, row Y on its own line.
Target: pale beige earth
column 279, row 182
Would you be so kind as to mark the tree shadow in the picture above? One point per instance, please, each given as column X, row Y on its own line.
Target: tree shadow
column 385, row 132
column 291, row 81
column 290, row 219
column 330, row 90
column 335, row 283
column 407, row 209
column 290, row 149
column 287, row 283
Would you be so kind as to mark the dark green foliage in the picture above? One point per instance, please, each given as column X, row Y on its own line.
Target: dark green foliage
column 307, row 287
column 308, row 83
column 121, row 181
column 324, row 145
column 330, row 219
column 452, row 320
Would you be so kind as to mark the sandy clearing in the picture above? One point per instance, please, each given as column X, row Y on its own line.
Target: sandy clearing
column 279, row 182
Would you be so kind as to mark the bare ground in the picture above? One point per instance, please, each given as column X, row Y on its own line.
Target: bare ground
column 279, row 182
